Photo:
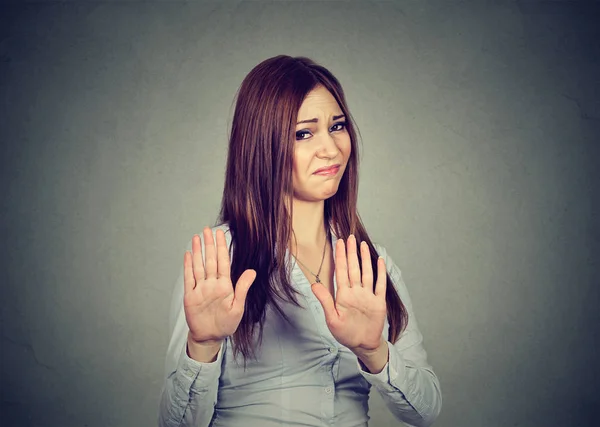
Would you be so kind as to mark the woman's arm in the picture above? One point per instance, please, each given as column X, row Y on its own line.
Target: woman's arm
column 407, row 383
column 190, row 389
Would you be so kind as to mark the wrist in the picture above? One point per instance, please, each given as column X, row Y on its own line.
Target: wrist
column 369, row 352
column 374, row 360
column 203, row 351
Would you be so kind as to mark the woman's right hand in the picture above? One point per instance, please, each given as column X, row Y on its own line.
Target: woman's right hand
column 213, row 309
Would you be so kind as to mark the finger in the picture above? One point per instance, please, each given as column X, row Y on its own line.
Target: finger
column 210, row 254
column 381, row 285
column 241, row 289
column 223, row 266
column 189, row 283
column 326, row 300
column 341, row 267
column 197, row 261
column 353, row 266
column 367, row 268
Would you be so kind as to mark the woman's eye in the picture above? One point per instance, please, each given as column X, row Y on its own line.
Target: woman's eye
column 302, row 134
column 338, row 126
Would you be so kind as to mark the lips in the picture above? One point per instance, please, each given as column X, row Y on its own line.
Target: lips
column 331, row 168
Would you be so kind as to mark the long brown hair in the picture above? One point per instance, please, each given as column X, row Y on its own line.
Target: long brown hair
column 258, row 185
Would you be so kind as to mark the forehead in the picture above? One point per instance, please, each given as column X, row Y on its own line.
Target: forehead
column 318, row 100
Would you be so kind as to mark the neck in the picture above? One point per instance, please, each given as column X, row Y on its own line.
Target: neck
column 308, row 223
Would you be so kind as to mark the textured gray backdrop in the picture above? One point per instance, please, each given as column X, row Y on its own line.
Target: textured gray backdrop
column 480, row 124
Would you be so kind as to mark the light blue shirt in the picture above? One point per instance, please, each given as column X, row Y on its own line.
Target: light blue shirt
column 302, row 376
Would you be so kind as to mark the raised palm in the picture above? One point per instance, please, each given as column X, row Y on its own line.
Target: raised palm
column 357, row 315
column 213, row 309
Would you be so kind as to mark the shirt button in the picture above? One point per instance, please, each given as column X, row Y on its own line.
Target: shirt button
column 328, row 390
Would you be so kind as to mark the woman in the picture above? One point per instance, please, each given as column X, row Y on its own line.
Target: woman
column 291, row 343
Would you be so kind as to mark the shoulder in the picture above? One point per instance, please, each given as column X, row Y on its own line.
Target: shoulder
column 224, row 227
column 380, row 249
column 200, row 232
column 383, row 253
column 391, row 267
column 396, row 277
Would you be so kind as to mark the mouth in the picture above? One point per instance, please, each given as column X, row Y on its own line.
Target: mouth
column 329, row 170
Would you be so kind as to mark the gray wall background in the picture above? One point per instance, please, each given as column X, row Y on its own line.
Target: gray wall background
column 480, row 124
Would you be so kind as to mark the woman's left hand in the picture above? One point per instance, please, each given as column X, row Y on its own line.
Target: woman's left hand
column 357, row 316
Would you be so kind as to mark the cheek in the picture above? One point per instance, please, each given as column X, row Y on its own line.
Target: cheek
column 295, row 160
column 297, row 175
column 346, row 146
column 301, row 161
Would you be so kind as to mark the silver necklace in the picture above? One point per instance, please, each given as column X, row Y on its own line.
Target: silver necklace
column 318, row 280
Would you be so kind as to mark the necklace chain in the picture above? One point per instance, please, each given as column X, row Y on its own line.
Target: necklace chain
column 318, row 280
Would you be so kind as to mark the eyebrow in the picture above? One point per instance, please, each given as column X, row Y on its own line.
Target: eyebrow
column 315, row 120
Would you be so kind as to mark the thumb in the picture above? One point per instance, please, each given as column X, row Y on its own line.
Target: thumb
column 326, row 301
column 241, row 288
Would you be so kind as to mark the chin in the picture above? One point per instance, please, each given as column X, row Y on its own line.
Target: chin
column 328, row 195
column 310, row 195
column 314, row 198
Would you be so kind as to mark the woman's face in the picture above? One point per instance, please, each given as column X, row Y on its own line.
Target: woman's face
column 321, row 141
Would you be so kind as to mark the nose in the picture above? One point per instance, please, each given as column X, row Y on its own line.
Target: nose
column 328, row 147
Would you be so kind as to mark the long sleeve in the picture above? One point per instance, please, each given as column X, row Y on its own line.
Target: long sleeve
column 189, row 393
column 407, row 383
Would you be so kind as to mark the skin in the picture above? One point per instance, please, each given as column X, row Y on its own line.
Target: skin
column 356, row 316
column 321, row 140
column 318, row 144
